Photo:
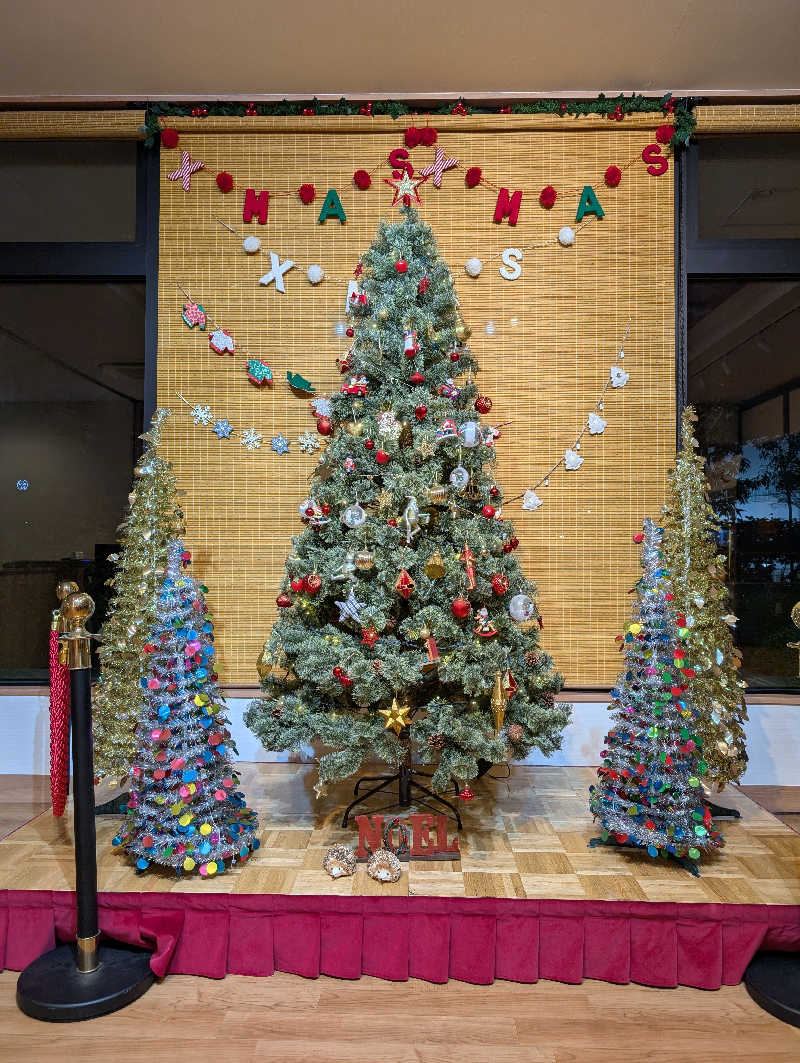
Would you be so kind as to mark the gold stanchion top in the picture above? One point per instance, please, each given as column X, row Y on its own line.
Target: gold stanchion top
column 76, row 608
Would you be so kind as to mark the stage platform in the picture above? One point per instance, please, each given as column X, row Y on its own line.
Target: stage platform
column 526, row 900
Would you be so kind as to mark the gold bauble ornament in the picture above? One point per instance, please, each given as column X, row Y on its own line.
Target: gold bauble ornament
column 434, row 566
column 383, row 313
column 463, row 332
column 365, row 560
column 355, row 428
column 437, row 496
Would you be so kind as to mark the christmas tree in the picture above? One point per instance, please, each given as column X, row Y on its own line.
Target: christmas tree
column 697, row 574
column 154, row 519
column 405, row 619
column 650, row 793
column 184, row 810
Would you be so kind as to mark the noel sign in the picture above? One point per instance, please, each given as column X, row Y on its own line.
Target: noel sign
column 417, row 836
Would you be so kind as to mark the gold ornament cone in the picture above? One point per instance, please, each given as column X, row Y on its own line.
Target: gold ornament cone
column 498, row 702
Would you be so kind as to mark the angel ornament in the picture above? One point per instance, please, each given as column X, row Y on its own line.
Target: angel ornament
column 412, row 520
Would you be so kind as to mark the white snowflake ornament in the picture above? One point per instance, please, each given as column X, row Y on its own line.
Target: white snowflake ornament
column 596, row 424
column 619, row 378
column 308, row 443
column 388, row 425
column 322, row 406
column 530, row 500
column 201, row 415
column 251, row 439
column 572, row 460
column 280, row 444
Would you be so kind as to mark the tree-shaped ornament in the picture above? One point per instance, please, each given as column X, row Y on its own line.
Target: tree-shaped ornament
column 697, row 574
column 406, row 484
column 650, row 792
column 154, row 519
column 185, row 810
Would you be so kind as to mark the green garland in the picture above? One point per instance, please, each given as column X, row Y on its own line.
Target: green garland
column 682, row 117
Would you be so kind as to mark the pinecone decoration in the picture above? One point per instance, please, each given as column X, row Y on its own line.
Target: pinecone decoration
column 277, row 711
column 436, row 741
column 531, row 658
column 515, row 733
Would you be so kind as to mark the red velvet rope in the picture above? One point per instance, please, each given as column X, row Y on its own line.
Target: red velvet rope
column 59, row 728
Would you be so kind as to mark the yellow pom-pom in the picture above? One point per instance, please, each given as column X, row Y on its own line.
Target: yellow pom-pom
column 635, row 629
column 175, row 809
column 186, row 819
column 205, row 828
column 211, row 867
column 188, row 864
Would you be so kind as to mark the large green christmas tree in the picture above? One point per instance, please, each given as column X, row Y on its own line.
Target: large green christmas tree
column 697, row 574
column 406, row 622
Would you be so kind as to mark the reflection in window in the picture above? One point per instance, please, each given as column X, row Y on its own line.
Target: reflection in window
column 744, row 378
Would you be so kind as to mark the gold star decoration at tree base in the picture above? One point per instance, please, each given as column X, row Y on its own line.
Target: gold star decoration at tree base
column 396, row 716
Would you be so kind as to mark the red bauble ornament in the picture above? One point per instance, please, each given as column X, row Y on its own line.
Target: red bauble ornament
column 417, row 378
column 401, row 266
column 454, row 356
column 613, row 176
column 224, row 181
column 421, row 413
column 500, row 583
column 483, row 404
column 309, row 511
column 665, row 133
column 507, row 548
column 324, row 426
column 362, row 180
column 325, row 508
column 338, row 670
column 346, row 681
column 369, row 444
column 349, row 333
column 283, row 601
column 514, row 541
column 308, row 112
column 466, row 794
column 548, row 196
column 313, row 583
column 298, row 585
column 392, row 523
column 638, row 537
column 169, row 138
column 381, row 457
column 306, row 193
column 412, row 136
column 494, row 491
column 428, row 136
column 488, row 512
column 472, row 177
column 460, row 608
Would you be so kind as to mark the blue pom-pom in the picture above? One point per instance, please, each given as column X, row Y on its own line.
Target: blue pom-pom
column 141, row 863
column 190, row 775
column 116, row 841
column 652, row 851
column 255, row 844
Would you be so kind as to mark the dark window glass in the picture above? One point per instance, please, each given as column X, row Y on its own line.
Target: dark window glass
column 744, row 379
column 71, row 382
column 749, row 188
column 62, row 190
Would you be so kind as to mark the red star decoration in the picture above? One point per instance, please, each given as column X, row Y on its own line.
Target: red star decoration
column 406, row 188
column 424, row 284
column 369, row 636
column 358, row 270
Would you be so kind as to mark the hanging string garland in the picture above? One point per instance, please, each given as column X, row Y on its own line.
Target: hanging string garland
column 594, row 425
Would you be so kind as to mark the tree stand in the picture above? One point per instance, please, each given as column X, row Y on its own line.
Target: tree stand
column 405, row 784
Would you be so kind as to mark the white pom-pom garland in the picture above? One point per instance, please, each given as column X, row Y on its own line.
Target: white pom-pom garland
column 315, row 274
column 251, row 244
column 566, row 236
column 473, row 266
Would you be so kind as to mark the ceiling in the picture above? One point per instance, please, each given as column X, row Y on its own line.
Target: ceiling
column 51, row 50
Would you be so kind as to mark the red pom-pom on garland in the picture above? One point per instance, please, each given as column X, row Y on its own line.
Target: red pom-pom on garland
column 664, row 133
column 169, row 138
column 548, row 196
column 306, row 193
column 412, row 136
column 613, row 176
column 224, row 181
column 362, row 180
column 473, row 176
column 428, row 136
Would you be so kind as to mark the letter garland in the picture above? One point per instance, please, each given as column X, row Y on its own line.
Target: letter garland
column 594, row 424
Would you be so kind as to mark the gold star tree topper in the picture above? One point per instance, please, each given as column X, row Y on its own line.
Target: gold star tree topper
column 406, row 189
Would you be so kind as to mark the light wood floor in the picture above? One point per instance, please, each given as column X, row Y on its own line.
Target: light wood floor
column 523, row 838
column 287, row 1019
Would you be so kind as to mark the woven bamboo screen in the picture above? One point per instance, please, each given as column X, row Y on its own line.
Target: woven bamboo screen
column 556, row 332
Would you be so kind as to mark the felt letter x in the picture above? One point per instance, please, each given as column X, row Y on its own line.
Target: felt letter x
column 277, row 270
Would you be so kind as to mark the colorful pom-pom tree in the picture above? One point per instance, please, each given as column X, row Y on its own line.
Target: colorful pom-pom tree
column 650, row 793
column 185, row 810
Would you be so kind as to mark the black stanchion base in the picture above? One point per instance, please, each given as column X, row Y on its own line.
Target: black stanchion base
column 54, row 990
column 721, row 812
column 773, row 981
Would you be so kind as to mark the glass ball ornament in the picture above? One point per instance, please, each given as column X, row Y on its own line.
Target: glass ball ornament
column 354, row 516
column 459, row 477
column 470, row 433
column 520, row 608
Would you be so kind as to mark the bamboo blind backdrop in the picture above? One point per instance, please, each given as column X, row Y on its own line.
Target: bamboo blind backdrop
column 557, row 330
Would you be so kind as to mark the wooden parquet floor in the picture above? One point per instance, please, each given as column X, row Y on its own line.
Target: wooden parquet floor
column 523, row 837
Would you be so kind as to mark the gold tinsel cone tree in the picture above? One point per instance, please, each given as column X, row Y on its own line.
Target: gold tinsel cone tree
column 154, row 520
column 697, row 572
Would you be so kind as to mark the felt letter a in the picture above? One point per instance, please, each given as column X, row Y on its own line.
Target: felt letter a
column 332, row 208
column 589, row 204
column 256, row 204
column 508, row 206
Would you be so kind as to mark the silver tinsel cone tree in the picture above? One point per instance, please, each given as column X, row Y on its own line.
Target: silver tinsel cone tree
column 405, row 619
column 650, row 783
column 185, row 810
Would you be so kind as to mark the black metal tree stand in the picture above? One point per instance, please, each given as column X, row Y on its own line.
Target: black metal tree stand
column 405, row 779
column 89, row 978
